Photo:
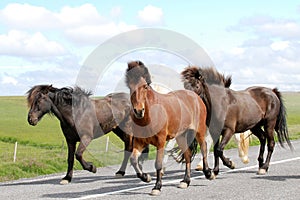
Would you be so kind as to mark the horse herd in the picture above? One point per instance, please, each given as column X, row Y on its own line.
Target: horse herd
column 207, row 106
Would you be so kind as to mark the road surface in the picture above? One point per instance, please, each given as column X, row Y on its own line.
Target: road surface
column 281, row 182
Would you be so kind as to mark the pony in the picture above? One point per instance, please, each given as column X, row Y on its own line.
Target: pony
column 157, row 118
column 83, row 119
column 241, row 139
column 258, row 109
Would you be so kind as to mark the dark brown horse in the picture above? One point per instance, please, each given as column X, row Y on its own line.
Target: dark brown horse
column 258, row 109
column 83, row 119
column 159, row 117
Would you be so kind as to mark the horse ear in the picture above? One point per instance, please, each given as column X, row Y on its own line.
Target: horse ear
column 139, row 62
column 228, row 81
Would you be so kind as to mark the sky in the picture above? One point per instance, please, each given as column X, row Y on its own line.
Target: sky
column 47, row 42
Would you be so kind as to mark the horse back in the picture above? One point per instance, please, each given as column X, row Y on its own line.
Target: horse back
column 190, row 106
column 266, row 99
column 112, row 110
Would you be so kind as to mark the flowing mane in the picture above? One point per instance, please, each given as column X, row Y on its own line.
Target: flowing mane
column 72, row 96
column 65, row 94
column 36, row 90
column 136, row 70
column 193, row 75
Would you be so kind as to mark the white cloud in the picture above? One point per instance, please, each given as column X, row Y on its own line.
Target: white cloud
column 280, row 45
column 237, row 51
column 20, row 43
column 27, row 16
column 151, row 15
column 94, row 35
column 269, row 27
column 82, row 24
column 9, row 80
column 85, row 14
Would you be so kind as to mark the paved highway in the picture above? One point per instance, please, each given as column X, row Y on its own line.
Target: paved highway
column 281, row 182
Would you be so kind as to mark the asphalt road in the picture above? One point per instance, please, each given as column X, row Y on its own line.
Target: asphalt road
column 281, row 182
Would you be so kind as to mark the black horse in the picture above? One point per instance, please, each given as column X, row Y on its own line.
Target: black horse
column 238, row 111
column 83, row 119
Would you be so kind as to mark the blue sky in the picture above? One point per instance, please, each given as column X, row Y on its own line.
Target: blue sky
column 45, row 42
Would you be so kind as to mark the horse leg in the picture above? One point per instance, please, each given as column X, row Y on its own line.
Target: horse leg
column 271, row 144
column 216, row 156
column 209, row 142
column 182, row 143
column 226, row 136
column 260, row 134
column 127, row 139
column 136, row 152
column 127, row 153
column 84, row 142
column 71, row 151
column 158, row 166
column 269, row 130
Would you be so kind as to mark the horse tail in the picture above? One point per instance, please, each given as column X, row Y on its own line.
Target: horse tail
column 281, row 123
column 178, row 154
column 245, row 141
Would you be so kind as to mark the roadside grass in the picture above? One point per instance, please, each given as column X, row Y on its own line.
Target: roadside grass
column 42, row 149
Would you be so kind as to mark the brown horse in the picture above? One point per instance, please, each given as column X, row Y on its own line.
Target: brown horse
column 83, row 119
column 238, row 111
column 160, row 117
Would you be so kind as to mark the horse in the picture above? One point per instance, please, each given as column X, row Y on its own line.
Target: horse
column 83, row 119
column 241, row 139
column 238, row 111
column 157, row 118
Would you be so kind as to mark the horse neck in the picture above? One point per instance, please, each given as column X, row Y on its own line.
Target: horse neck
column 205, row 96
column 55, row 108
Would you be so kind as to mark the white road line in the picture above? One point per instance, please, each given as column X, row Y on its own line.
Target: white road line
column 178, row 180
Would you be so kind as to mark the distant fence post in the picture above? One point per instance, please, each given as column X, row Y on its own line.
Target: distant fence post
column 62, row 145
column 15, row 153
column 107, row 141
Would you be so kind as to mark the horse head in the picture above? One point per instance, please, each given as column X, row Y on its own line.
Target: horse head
column 138, row 80
column 39, row 102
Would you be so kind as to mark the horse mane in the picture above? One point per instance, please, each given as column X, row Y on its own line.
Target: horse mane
column 136, row 70
column 72, row 96
column 212, row 76
column 35, row 90
column 66, row 95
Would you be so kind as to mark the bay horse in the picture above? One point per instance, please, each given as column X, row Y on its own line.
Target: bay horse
column 83, row 119
column 237, row 111
column 157, row 118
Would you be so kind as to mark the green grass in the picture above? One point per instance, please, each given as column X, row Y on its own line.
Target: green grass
column 42, row 149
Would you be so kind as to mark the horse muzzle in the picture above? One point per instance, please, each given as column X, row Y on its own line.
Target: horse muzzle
column 139, row 114
column 32, row 120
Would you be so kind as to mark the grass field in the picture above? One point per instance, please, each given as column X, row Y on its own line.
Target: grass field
column 42, row 149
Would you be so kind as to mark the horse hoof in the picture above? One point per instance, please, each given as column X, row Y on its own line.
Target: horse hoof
column 94, row 169
column 183, row 185
column 64, row 182
column 212, row 176
column 261, row 172
column 155, row 192
column 148, row 178
column 245, row 160
column 199, row 168
column 118, row 175
column 232, row 165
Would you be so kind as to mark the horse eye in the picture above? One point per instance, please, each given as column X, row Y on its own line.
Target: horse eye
column 146, row 87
